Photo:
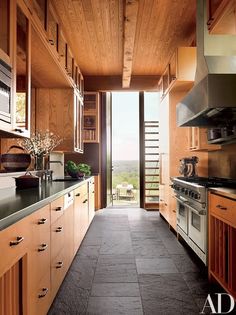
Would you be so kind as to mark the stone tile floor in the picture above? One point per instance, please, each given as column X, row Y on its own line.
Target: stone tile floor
column 131, row 263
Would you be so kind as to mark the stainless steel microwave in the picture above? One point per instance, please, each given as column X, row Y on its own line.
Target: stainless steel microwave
column 5, row 92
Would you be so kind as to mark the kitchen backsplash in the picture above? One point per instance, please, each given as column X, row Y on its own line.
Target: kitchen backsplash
column 223, row 163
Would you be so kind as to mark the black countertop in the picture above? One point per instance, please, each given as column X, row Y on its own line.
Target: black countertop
column 17, row 204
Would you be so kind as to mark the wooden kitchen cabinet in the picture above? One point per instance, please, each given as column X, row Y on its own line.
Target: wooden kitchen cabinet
column 65, row 110
column 198, row 140
column 91, row 132
column 222, row 240
column 91, row 199
column 14, row 267
column 221, row 16
column 180, row 71
column 39, row 262
column 7, row 31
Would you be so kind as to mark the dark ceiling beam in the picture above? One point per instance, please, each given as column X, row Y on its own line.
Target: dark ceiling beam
column 114, row 83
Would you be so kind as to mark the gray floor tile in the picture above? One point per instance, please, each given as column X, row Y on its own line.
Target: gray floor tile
column 115, row 289
column 155, row 266
column 143, row 249
column 91, row 251
column 115, row 272
column 184, row 263
column 115, row 306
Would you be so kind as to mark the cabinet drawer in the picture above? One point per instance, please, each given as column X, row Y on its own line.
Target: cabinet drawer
column 39, row 255
column 40, row 296
column 81, row 191
column 57, row 236
column 57, row 209
column 14, row 243
column 223, row 207
column 58, row 271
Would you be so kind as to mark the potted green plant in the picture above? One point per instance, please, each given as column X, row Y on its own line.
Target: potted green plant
column 84, row 168
column 77, row 170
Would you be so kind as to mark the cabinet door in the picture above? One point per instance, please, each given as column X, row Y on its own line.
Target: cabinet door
column 69, row 235
column 91, row 117
column 78, row 110
column 216, row 10
column 6, row 30
column 23, row 74
column 84, row 215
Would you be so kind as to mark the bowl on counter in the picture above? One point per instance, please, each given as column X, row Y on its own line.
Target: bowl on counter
column 15, row 162
column 27, row 181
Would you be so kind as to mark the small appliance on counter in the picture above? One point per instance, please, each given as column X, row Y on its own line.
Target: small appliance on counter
column 188, row 166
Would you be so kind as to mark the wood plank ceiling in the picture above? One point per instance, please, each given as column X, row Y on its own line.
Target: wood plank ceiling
column 126, row 38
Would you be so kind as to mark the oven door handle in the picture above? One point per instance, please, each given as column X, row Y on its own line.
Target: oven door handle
column 186, row 203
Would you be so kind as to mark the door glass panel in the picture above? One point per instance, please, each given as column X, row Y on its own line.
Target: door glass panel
column 125, row 149
column 182, row 210
column 4, row 25
column 196, row 221
column 22, row 78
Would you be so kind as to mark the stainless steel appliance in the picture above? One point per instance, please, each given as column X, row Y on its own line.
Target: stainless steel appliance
column 5, row 92
column 191, row 196
column 212, row 100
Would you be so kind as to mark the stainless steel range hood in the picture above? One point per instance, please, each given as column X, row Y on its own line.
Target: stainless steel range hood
column 212, row 100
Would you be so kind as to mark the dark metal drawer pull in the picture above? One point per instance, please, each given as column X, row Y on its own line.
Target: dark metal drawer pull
column 58, row 209
column 221, row 207
column 59, row 229
column 44, row 293
column 42, row 221
column 43, row 247
column 92, row 192
column 77, row 195
column 59, row 264
column 85, row 200
column 18, row 240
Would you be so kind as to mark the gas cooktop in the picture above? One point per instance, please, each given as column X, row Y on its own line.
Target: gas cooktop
column 210, row 181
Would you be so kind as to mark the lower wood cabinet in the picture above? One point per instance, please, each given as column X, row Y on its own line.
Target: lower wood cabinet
column 222, row 241
column 38, row 251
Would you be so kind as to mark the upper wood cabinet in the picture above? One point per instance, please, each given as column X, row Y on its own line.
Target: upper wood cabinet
column 23, row 73
column 198, row 140
column 180, row 70
column 7, row 22
column 221, row 16
column 65, row 110
column 91, row 117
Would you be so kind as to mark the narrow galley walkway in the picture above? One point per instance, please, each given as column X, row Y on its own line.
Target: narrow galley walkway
column 131, row 263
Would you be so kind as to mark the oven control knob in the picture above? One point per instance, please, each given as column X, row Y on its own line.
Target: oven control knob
column 182, row 190
column 196, row 196
column 186, row 191
column 192, row 194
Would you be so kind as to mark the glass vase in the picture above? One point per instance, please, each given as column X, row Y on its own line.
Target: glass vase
column 39, row 162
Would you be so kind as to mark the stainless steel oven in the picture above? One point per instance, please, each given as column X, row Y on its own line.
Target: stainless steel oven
column 192, row 215
column 5, row 92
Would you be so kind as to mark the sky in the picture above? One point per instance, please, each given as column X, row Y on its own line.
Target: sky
column 125, row 122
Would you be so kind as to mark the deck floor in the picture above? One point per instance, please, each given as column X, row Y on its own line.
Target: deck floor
column 131, row 263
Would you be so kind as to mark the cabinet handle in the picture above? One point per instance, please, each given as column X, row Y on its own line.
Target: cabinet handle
column 92, row 192
column 58, row 208
column 85, row 200
column 77, row 195
column 43, row 247
column 51, row 41
column 44, row 293
column 19, row 130
column 59, row 229
column 221, row 207
column 42, row 221
column 174, row 211
column 18, row 240
column 59, row 264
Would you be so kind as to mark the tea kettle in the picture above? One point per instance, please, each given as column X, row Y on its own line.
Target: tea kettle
column 188, row 166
